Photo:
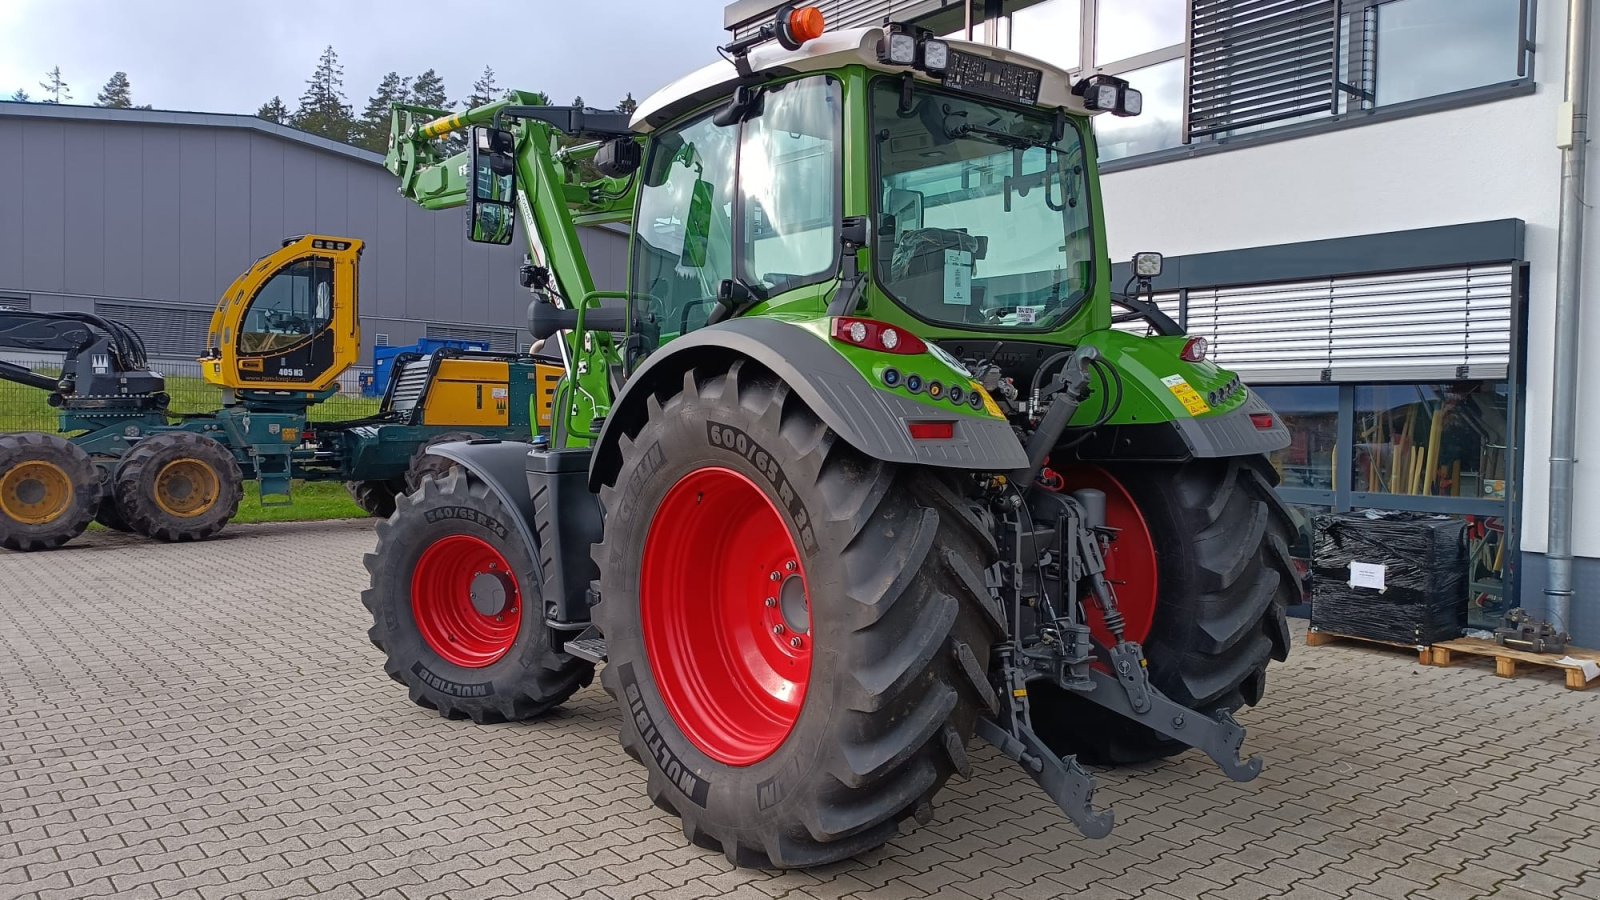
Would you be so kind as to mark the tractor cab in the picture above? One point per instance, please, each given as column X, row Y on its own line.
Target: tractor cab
column 289, row 323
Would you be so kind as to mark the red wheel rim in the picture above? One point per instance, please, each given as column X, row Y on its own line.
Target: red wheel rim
column 466, row 602
column 1130, row 560
column 726, row 616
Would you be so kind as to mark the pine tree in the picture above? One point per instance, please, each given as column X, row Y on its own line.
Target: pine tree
column 627, row 104
column 117, row 94
column 578, row 101
column 372, row 132
column 55, row 86
column 21, row 96
column 323, row 109
column 483, row 90
column 428, row 90
column 274, row 111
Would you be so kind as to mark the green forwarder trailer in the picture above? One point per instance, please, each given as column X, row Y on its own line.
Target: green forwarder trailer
column 857, row 469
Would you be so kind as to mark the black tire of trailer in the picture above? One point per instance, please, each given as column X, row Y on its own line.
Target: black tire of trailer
column 533, row 676
column 1225, row 577
column 49, row 490
column 178, row 486
column 897, row 609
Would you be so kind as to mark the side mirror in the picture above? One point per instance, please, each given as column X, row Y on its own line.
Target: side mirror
column 906, row 208
column 491, row 208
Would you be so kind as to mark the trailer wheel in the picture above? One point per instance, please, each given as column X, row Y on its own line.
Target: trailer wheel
column 49, row 489
column 456, row 608
column 1210, row 614
column 798, row 635
column 424, row 463
column 376, row 498
column 178, row 486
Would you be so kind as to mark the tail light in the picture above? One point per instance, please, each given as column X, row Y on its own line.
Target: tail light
column 932, row 430
column 1194, row 350
column 879, row 336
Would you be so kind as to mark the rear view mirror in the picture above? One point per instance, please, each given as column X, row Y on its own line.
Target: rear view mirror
column 697, row 226
column 491, row 208
column 906, row 208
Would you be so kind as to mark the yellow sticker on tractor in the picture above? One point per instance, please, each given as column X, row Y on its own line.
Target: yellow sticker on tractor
column 989, row 405
column 1188, row 396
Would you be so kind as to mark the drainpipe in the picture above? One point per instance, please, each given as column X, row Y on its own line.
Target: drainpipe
column 1573, row 124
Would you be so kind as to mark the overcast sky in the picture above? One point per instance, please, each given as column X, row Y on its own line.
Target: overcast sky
column 233, row 55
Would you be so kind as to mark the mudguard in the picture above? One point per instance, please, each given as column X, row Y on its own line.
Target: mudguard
column 871, row 420
column 503, row 466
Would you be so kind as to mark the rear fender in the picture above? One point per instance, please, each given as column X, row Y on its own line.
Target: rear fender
column 872, row 421
column 502, row 466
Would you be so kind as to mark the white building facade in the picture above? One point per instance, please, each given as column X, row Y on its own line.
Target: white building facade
column 1359, row 205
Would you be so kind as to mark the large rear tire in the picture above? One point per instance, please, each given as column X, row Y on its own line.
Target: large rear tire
column 178, row 486
column 1224, row 578
column 457, row 611
column 49, row 490
column 798, row 635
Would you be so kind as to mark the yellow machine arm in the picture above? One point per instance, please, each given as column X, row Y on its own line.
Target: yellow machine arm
column 290, row 322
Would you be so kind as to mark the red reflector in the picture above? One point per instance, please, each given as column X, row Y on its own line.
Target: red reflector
column 1261, row 420
column 1194, row 350
column 932, row 431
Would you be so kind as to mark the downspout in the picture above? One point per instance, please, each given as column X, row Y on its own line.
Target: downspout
column 1573, row 125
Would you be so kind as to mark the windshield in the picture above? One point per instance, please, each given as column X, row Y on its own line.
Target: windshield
column 983, row 212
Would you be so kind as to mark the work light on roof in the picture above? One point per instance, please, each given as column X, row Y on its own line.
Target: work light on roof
column 1108, row 93
column 935, row 56
column 898, row 48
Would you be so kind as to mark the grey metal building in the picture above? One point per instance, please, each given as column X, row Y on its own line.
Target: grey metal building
column 146, row 216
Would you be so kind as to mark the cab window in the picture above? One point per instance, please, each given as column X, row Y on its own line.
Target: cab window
column 755, row 201
column 296, row 303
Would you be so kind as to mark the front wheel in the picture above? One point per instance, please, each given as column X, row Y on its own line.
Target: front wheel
column 798, row 635
column 1202, row 571
column 456, row 608
column 49, row 490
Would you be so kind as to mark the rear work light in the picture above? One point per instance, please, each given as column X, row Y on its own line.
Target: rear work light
column 932, row 430
column 879, row 336
column 1194, row 350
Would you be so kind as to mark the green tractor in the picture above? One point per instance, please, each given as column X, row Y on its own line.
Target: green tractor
column 858, row 468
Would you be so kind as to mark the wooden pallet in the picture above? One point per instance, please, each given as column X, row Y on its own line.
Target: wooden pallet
column 1318, row 638
column 1507, row 658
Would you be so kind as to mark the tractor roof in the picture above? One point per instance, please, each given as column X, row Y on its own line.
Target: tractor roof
column 833, row 50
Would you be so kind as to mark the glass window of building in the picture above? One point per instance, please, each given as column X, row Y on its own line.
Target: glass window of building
column 1128, row 28
column 1431, row 47
column 1434, row 440
column 1311, row 413
column 1051, row 31
column 1159, row 127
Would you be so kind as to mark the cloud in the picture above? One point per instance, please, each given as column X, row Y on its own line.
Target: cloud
column 233, row 55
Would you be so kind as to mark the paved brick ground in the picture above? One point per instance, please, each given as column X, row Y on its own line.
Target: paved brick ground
column 209, row 721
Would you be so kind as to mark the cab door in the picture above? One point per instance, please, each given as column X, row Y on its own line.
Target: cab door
column 290, row 323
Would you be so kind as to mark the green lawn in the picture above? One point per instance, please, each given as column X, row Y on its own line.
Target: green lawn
column 312, row 501
column 25, row 409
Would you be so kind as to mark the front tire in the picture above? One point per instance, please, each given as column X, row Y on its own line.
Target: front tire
column 802, row 729
column 376, row 498
column 424, row 464
column 457, row 610
column 49, row 490
column 1214, row 612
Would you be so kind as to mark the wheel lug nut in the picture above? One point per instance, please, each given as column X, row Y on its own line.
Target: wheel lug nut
column 771, row 602
column 775, row 576
column 790, row 565
column 796, row 643
column 777, row 629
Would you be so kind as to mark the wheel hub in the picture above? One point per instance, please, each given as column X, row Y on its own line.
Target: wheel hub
column 465, row 601
column 186, row 488
column 35, row 492
column 726, row 616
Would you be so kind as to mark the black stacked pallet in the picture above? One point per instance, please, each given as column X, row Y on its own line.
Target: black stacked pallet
column 1423, row 573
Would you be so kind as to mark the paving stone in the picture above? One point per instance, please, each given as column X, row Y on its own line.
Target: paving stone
column 182, row 737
